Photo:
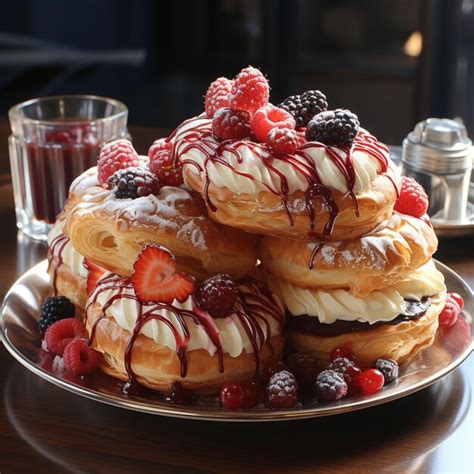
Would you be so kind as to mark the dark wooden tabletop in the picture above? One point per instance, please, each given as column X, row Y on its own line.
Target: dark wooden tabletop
column 46, row 429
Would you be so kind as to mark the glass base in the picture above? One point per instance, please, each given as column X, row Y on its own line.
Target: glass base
column 32, row 227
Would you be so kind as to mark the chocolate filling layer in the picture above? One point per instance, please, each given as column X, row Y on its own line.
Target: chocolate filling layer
column 311, row 324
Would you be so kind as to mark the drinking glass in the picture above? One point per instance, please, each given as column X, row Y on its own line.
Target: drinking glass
column 53, row 140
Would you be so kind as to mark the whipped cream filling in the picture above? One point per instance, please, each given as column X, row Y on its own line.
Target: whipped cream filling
column 380, row 305
column 70, row 256
column 233, row 335
column 248, row 158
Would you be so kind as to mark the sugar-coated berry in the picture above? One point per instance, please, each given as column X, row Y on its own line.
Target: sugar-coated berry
column 168, row 171
column 61, row 333
column 269, row 117
column 303, row 366
column 217, row 95
column 80, row 358
column 305, row 106
column 232, row 395
column 134, row 182
column 342, row 352
column 254, row 393
column 450, row 313
column 412, row 200
column 340, row 364
column 229, row 124
column 330, row 386
column 283, row 140
column 389, row 368
column 458, row 298
column 272, row 369
column 160, row 144
column 333, row 127
column 371, row 381
column 282, row 390
column 114, row 156
column 54, row 309
column 250, row 90
column 217, row 295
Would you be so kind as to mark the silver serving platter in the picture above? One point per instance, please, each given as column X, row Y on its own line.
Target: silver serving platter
column 20, row 336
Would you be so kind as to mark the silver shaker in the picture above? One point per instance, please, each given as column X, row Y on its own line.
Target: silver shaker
column 438, row 154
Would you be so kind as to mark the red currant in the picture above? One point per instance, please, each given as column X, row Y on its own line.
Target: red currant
column 458, row 298
column 371, row 381
column 253, row 393
column 352, row 379
column 232, row 395
column 342, row 352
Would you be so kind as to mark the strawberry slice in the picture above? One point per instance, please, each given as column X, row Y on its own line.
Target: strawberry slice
column 153, row 276
column 94, row 274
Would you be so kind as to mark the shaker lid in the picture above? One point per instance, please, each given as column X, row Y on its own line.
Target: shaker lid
column 438, row 145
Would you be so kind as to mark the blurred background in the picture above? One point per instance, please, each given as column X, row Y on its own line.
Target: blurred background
column 391, row 62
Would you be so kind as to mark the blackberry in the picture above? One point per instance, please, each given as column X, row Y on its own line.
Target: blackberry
column 217, row 295
column 330, row 386
column 304, row 367
column 340, row 365
column 54, row 309
column 133, row 182
column 389, row 369
column 282, row 390
column 305, row 106
column 334, row 127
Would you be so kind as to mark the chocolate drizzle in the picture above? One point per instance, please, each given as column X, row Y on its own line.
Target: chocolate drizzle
column 249, row 313
column 57, row 247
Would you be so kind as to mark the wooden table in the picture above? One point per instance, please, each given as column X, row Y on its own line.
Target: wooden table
column 46, row 429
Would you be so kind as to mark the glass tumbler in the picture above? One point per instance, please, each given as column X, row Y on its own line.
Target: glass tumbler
column 53, row 140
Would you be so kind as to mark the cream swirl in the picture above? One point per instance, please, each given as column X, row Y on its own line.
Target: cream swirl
column 69, row 255
column 232, row 330
column 380, row 305
column 243, row 165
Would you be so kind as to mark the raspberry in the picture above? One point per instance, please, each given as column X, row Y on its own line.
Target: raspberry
column 253, row 394
column 341, row 352
column 450, row 313
column 304, row 367
column 169, row 172
column 178, row 395
column 134, row 182
column 282, row 390
column 115, row 156
column 217, row 295
column 389, row 369
column 333, row 127
column 159, row 145
column 458, row 298
column 270, row 117
column 283, row 140
column 330, row 386
column 250, row 90
column 54, row 309
column 412, row 199
column 217, row 95
column 79, row 358
column 229, row 124
column 371, row 381
column 62, row 332
column 305, row 106
column 232, row 395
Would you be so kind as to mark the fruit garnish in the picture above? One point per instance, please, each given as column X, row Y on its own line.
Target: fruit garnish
column 254, row 393
column 114, row 156
column 284, row 140
column 217, row 295
column 412, row 200
column 94, row 274
column 232, row 395
column 134, row 182
column 303, row 366
column 458, row 298
column 389, row 368
column 154, row 277
column 269, row 117
column 159, row 145
column 229, row 124
column 54, row 309
column 342, row 352
column 333, row 127
column 282, row 390
column 371, row 381
column 330, row 386
column 79, row 358
column 168, row 171
column 62, row 332
column 218, row 95
column 450, row 312
column 250, row 90
column 305, row 106
column 352, row 378
column 340, row 364
column 278, row 366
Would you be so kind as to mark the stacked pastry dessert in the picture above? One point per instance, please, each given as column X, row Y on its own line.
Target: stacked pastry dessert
column 176, row 236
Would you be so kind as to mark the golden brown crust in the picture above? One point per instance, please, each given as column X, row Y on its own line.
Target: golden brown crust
column 373, row 261
column 157, row 367
column 264, row 213
column 111, row 232
column 401, row 342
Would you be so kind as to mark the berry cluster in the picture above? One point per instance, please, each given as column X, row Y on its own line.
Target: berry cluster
column 217, row 295
column 412, row 199
column 451, row 311
column 133, row 182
